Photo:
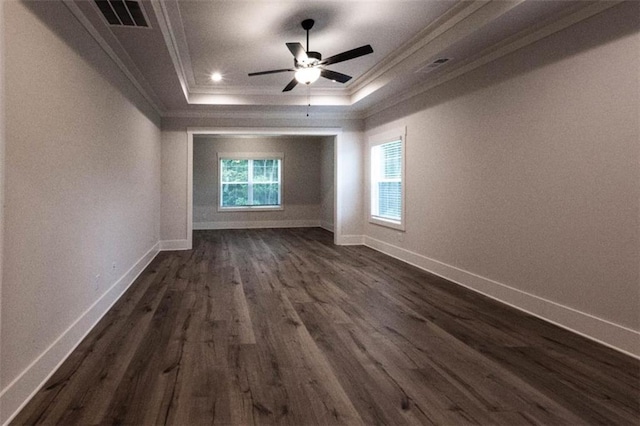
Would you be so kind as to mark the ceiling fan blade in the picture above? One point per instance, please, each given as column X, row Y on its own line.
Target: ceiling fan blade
column 335, row 76
column 298, row 51
column 349, row 54
column 270, row 72
column 291, row 85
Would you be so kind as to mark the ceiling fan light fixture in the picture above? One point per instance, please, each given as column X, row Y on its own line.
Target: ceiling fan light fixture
column 309, row 66
column 307, row 75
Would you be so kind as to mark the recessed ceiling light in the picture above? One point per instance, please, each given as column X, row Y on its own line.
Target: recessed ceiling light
column 216, row 76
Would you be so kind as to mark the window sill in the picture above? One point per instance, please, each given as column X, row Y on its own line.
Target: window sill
column 388, row 223
column 250, row 209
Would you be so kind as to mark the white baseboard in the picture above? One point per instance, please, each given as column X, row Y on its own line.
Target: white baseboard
column 605, row 332
column 17, row 393
column 327, row 225
column 257, row 224
column 170, row 245
column 350, row 240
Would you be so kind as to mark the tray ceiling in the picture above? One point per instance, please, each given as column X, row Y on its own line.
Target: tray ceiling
column 171, row 61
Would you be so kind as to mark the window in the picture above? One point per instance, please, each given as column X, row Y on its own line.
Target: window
column 250, row 181
column 387, row 188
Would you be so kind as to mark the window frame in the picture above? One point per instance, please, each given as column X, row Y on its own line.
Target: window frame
column 250, row 156
column 377, row 140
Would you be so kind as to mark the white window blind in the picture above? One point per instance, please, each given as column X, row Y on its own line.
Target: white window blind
column 386, row 183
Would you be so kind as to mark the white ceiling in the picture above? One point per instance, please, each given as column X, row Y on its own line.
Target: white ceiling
column 188, row 40
column 254, row 35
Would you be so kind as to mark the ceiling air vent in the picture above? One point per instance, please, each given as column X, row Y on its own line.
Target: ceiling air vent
column 433, row 65
column 126, row 13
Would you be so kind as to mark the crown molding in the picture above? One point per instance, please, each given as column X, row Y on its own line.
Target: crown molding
column 267, row 91
column 460, row 21
column 171, row 15
column 518, row 41
column 443, row 23
column 505, row 47
column 314, row 114
column 455, row 26
column 269, row 100
column 164, row 24
column 170, row 24
column 138, row 81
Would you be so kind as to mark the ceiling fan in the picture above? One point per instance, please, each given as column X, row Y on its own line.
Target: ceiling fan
column 309, row 66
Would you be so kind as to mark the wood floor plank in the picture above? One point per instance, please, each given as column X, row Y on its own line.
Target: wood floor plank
column 280, row 326
column 102, row 356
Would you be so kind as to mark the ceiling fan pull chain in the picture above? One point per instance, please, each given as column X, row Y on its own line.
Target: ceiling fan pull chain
column 308, row 99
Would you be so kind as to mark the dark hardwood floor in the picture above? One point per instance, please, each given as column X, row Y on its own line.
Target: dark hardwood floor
column 281, row 326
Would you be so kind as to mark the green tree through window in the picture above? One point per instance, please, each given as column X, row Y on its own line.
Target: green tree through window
column 250, row 182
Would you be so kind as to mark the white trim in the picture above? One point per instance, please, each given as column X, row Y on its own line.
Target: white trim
column 270, row 208
column 613, row 335
column 455, row 24
column 170, row 23
column 445, row 26
column 138, row 82
column 435, row 38
column 494, row 52
column 189, row 191
column 257, row 224
column 387, row 223
column 20, row 391
column 350, row 240
column 336, row 213
column 441, row 35
column 267, row 131
column 376, row 139
column 336, row 132
column 251, row 156
column 162, row 16
column 170, row 245
column 297, row 112
column 2, row 173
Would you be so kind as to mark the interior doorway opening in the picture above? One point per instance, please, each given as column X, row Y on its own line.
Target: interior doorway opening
column 329, row 208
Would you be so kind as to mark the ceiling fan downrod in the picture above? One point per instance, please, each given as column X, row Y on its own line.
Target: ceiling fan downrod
column 307, row 24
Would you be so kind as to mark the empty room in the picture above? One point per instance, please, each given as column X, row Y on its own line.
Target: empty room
column 319, row 212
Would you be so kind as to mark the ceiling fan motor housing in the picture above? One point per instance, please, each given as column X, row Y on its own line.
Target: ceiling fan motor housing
column 312, row 59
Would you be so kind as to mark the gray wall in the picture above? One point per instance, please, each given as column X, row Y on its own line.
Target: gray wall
column 82, row 193
column 523, row 178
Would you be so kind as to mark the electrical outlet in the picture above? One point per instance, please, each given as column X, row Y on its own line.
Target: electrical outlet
column 96, row 282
